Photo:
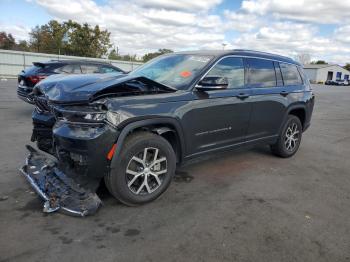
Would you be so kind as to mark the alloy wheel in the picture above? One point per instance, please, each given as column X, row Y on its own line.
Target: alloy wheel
column 291, row 138
column 145, row 171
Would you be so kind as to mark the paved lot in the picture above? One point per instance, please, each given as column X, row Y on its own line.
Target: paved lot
column 241, row 206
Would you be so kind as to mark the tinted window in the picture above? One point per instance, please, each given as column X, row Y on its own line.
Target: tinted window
column 261, row 73
column 69, row 69
column 108, row 69
column 232, row 68
column 89, row 69
column 290, row 74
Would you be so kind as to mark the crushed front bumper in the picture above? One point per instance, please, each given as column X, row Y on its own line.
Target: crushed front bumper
column 59, row 190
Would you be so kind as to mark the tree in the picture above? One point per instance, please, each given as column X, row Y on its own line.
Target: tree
column 150, row 56
column 347, row 66
column 113, row 55
column 319, row 62
column 7, row 41
column 47, row 38
column 23, row 46
column 82, row 40
column 87, row 41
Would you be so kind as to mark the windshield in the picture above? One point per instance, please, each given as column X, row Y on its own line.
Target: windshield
column 176, row 70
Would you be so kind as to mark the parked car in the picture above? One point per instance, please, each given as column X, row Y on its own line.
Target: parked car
column 134, row 130
column 29, row 77
column 343, row 82
column 331, row 82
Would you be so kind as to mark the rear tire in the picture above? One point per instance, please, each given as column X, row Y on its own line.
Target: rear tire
column 289, row 139
column 145, row 169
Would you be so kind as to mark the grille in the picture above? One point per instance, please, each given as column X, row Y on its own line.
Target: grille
column 42, row 104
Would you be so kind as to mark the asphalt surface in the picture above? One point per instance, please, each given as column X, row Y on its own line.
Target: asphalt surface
column 242, row 206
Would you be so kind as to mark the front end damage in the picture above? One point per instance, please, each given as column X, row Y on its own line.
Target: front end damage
column 76, row 139
column 59, row 190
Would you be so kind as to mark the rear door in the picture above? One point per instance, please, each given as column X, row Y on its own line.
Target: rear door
column 271, row 95
column 219, row 118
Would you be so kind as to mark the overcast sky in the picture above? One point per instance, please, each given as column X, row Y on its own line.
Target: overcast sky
column 320, row 28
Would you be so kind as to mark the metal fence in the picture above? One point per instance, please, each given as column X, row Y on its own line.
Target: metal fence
column 12, row 62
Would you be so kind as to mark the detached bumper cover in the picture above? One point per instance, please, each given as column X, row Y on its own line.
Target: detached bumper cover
column 58, row 190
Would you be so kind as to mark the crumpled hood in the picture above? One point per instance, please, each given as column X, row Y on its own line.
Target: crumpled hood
column 84, row 88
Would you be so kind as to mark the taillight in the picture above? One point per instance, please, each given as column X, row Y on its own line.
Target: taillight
column 36, row 79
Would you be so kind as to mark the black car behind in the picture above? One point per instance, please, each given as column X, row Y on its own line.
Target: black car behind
column 29, row 77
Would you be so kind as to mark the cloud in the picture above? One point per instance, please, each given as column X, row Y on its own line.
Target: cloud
column 20, row 32
column 291, row 38
column 182, row 5
column 315, row 11
column 241, row 21
column 143, row 25
column 284, row 27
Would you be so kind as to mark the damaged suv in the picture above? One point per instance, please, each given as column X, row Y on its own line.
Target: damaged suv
column 134, row 130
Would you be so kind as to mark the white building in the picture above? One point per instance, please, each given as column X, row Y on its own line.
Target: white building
column 322, row 73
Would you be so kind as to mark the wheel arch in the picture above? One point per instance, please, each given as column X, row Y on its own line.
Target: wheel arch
column 298, row 110
column 167, row 127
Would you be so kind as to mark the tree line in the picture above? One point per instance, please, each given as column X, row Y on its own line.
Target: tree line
column 71, row 38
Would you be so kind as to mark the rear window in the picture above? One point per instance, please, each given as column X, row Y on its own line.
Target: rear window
column 290, row 74
column 34, row 69
column 261, row 73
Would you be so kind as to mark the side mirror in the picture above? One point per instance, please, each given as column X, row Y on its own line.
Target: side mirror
column 212, row 83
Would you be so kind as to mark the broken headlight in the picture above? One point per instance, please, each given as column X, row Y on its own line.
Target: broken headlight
column 90, row 114
column 81, row 114
column 115, row 118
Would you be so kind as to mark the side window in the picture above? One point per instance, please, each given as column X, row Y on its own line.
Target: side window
column 232, row 68
column 68, row 69
column 290, row 74
column 261, row 73
column 89, row 69
column 108, row 69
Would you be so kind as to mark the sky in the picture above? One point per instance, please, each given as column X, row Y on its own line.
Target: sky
column 318, row 28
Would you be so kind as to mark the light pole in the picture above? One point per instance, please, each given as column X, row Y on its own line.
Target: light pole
column 223, row 46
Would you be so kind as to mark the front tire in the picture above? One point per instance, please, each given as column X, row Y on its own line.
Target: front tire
column 289, row 139
column 145, row 169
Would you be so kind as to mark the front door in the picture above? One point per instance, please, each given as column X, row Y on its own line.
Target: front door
column 219, row 118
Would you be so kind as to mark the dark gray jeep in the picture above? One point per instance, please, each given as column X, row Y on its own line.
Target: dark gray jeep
column 134, row 130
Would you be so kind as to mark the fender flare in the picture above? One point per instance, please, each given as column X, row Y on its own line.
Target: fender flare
column 146, row 122
column 288, row 110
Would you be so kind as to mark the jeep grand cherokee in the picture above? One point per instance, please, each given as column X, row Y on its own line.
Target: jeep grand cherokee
column 134, row 130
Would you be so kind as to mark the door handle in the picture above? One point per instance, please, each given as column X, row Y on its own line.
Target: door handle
column 284, row 93
column 242, row 96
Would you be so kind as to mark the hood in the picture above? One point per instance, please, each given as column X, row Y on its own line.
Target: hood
column 86, row 88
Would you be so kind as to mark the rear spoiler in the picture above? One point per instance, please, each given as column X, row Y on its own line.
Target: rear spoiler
column 39, row 64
